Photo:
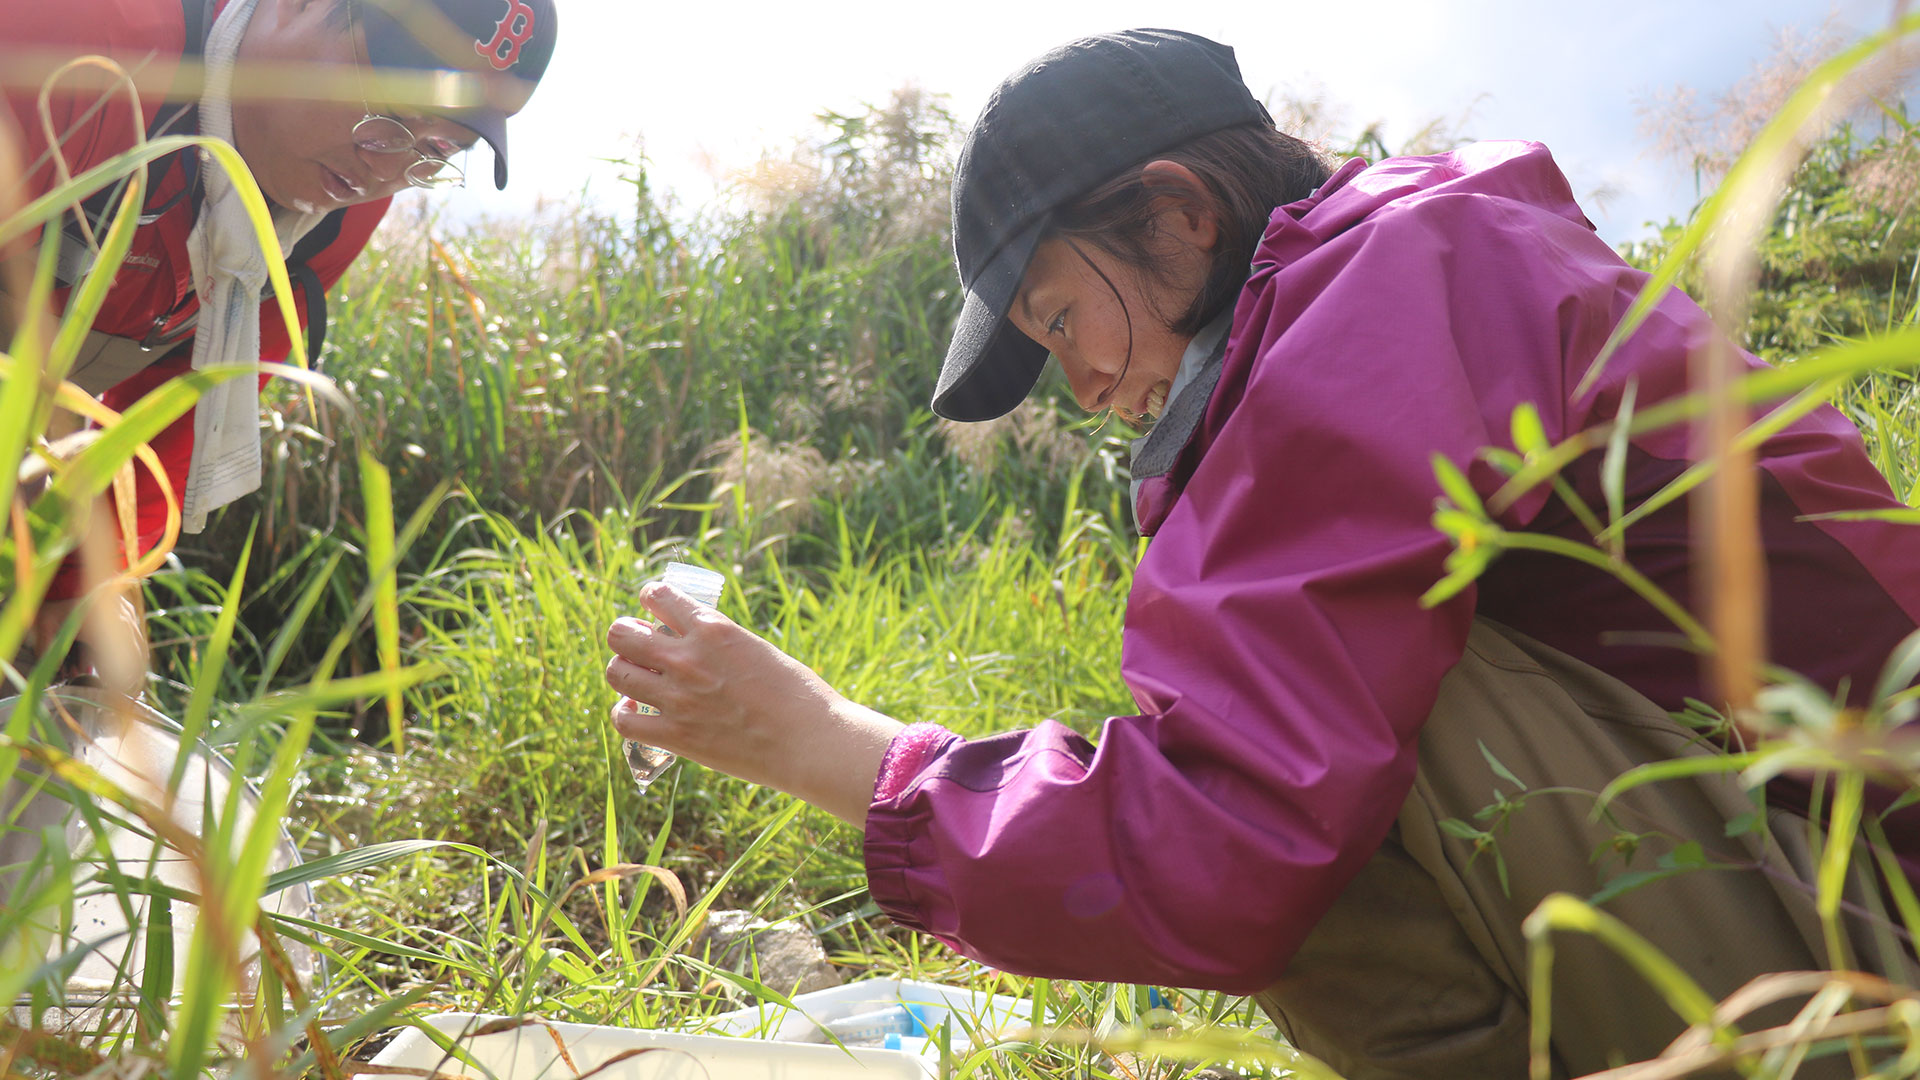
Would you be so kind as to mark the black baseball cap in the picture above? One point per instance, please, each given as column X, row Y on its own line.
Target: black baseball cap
column 507, row 43
column 1059, row 127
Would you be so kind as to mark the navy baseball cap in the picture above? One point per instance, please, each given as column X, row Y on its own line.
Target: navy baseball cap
column 507, row 43
column 1059, row 127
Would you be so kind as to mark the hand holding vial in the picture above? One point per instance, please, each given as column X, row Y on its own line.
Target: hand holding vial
column 703, row 586
column 695, row 683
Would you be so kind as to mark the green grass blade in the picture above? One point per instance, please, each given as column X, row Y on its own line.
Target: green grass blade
column 86, row 299
column 199, row 714
column 343, row 863
column 22, row 409
column 377, row 492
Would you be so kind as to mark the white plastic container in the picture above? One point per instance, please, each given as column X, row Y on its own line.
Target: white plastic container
column 531, row 1050
column 136, row 750
column 962, row 1012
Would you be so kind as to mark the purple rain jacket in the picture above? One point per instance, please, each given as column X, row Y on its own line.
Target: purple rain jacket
column 1274, row 643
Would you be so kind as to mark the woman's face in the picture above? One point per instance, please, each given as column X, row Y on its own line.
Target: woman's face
column 1112, row 340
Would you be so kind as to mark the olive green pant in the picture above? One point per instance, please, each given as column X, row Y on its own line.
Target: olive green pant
column 1420, row 970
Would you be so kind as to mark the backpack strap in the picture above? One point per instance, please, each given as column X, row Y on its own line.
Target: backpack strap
column 301, row 271
column 104, row 360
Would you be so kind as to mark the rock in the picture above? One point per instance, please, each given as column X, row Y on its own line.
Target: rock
column 784, row 955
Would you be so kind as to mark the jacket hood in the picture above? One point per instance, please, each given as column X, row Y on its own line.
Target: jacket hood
column 1500, row 180
column 1521, row 171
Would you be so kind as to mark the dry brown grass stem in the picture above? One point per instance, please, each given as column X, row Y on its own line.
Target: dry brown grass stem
column 1715, row 1058
column 1726, row 515
column 117, row 78
column 1726, row 509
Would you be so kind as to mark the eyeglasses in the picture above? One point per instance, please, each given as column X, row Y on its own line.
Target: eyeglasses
column 378, row 133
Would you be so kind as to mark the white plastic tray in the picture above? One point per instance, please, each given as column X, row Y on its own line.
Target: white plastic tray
column 531, row 1050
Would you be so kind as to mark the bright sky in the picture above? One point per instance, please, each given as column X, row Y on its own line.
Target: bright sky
column 705, row 87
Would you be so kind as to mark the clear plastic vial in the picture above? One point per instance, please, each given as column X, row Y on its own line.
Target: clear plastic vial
column 703, row 587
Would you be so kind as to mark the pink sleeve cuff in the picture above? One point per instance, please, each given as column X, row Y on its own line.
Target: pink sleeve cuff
column 903, row 876
column 906, row 756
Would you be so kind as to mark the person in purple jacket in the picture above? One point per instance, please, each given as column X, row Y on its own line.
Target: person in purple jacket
column 1281, row 816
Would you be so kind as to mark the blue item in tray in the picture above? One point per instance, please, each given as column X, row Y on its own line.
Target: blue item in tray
column 874, row 1028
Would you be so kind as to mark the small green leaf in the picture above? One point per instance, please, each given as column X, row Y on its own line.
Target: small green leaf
column 1470, row 558
column 1456, row 485
column 1449, row 587
column 1743, row 824
column 1688, row 855
column 1456, row 523
column 1498, row 769
column 1506, row 462
column 1621, row 884
column 1613, row 467
column 1529, row 434
column 1902, row 668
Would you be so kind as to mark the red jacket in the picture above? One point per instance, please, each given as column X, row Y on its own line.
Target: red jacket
column 153, row 286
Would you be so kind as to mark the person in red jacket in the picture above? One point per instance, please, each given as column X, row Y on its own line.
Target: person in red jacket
column 304, row 90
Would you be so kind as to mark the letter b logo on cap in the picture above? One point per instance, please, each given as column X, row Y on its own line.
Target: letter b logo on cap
column 514, row 30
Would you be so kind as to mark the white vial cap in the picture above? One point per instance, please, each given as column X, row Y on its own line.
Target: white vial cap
column 698, row 582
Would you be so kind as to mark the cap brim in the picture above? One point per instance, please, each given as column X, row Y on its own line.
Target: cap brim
column 491, row 126
column 391, row 48
column 991, row 366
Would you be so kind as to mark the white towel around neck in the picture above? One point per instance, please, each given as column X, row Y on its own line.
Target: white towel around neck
column 229, row 271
